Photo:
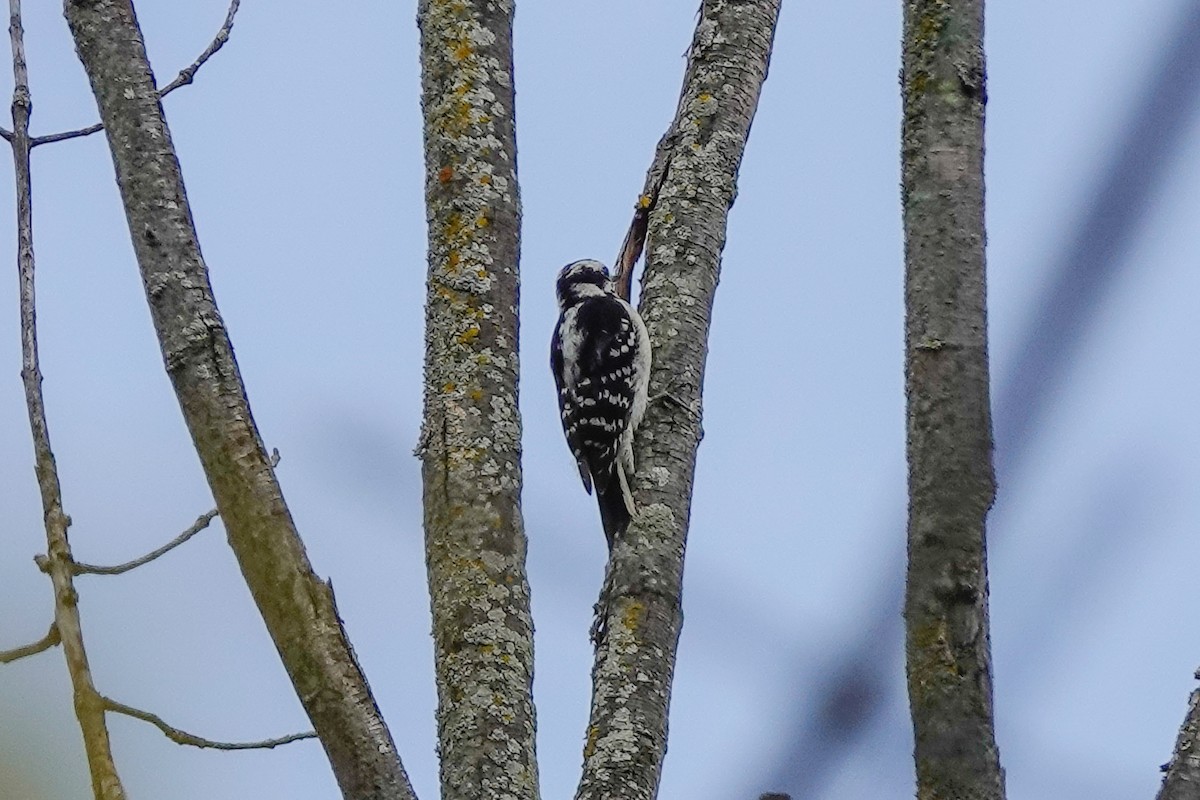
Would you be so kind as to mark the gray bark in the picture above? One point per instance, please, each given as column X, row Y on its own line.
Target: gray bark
column 1182, row 781
column 950, row 476
column 297, row 607
column 471, row 436
column 642, row 611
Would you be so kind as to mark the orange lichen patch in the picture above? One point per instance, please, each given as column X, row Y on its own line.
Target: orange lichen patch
column 446, row 293
column 452, row 260
column 632, row 615
column 476, row 394
column 445, row 174
column 454, row 227
column 481, row 221
column 458, row 119
column 449, row 387
column 644, row 201
column 593, row 735
column 462, row 50
column 485, row 179
column 469, row 335
column 481, row 273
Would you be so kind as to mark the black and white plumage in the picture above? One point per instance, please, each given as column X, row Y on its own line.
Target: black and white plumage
column 600, row 355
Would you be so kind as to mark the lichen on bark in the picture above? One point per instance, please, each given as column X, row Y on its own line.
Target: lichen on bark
column 635, row 657
column 471, row 434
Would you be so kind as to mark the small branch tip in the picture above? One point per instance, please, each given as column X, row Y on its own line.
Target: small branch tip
column 51, row 639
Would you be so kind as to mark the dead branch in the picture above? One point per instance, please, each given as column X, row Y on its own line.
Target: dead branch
column 635, row 238
column 106, row 784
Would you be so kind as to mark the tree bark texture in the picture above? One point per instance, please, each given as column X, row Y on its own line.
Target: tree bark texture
column 89, row 706
column 1182, row 781
column 950, row 478
column 471, row 436
column 297, row 607
column 642, row 613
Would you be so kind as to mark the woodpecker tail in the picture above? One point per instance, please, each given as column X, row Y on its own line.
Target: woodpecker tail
column 616, row 504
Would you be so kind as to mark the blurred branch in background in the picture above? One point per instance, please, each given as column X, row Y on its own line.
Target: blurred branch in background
column 862, row 678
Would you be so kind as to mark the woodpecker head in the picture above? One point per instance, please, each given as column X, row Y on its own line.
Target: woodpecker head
column 580, row 280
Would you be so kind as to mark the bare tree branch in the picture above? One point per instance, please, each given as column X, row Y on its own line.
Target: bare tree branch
column 641, row 604
column 185, row 76
column 951, row 481
column 1182, row 778
column 183, row 737
column 51, row 639
column 471, row 433
column 297, row 607
column 106, row 784
column 188, row 73
column 202, row 522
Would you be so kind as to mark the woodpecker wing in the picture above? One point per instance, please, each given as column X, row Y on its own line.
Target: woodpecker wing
column 600, row 345
column 568, row 411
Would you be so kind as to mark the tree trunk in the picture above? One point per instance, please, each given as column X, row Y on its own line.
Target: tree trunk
column 297, row 607
column 471, row 436
column 950, row 479
column 1182, row 781
column 642, row 612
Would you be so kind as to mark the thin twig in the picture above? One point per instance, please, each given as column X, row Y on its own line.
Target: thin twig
column 185, row 76
column 106, row 784
column 51, row 639
column 190, row 739
column 202, row 522
column 635, row 238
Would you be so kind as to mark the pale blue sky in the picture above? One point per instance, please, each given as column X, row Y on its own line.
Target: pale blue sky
column 301, row 147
